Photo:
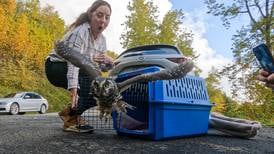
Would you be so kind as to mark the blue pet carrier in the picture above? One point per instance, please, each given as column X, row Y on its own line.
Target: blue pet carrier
column 165, row 108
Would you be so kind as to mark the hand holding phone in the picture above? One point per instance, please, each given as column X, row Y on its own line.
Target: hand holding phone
column 264, row 56
column 264, row 76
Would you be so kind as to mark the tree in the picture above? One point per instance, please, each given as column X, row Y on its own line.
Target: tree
column 142, row 28
column 27, row 34
column 112, row 54
column 7, row 14
column 20, row 39
column 169, row 28
column 261, row 16
column 216, row 96
column 242, row 72
column 141, row 25
column 9, row 7
column 44, row 27
column 171, row 32
column 26, row 37
column 3, row 33
column 230, row 107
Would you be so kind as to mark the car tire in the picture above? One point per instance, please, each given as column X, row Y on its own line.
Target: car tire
column 43, row 109
column 14, row 109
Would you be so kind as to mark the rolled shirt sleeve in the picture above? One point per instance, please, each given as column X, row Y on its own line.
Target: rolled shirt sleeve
column 74, row 40
column 80, row 39
column 72, row 76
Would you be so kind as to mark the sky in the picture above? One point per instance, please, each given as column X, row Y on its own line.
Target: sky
column 211, row 40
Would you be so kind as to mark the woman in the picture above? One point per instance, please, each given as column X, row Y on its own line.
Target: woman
column 86, row 36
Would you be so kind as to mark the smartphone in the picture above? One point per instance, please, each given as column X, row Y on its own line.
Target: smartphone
column 264, row 56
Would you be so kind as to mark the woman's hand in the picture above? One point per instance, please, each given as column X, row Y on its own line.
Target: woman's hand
column 102, row 58
column 266, row 77
column 104, row 61
column 108, row 59
column 73, row 97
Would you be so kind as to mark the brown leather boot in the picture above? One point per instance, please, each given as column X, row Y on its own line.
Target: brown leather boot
column 69, row 117
column 76, row 124
column 71, row 120
column 65, row 113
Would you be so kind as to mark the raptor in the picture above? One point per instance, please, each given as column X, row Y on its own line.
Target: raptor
column 106, row 90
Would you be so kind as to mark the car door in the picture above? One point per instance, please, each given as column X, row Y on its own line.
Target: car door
column 24, row 102
column 29, row 102
column 37, row 101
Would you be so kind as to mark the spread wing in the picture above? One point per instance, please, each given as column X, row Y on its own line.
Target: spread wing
column 176, row 72
column 77, row 59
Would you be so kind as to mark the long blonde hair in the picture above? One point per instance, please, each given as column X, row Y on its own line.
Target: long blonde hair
column 85, row 17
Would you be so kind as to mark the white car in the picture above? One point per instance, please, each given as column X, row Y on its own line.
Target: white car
column 164, row 56
column 19, row 103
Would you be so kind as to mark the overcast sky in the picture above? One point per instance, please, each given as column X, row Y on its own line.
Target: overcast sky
column 211, row 40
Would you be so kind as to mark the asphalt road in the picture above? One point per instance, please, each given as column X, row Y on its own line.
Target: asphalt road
column 43, row 134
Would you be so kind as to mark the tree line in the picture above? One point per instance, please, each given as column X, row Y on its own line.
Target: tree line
column 259, row 102
column 26, row 37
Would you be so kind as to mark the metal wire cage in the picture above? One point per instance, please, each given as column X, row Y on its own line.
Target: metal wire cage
column 91, row 116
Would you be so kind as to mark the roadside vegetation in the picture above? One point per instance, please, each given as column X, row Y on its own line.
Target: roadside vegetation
column 28, row 33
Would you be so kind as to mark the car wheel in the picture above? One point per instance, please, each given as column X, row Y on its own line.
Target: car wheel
column 42, row 109
column 14, row 109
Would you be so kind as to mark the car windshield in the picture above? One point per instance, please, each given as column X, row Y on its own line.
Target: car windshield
column 156, row 51
column 13, row 95
column 160, row 51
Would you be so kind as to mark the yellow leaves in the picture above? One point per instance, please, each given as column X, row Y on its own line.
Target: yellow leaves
column 16, row 74
column 141, row 25
column 19, row 38
column 9, row 6
column 4, row 30
column 3, row 22
column 29, row 34
column 112, row 54
column 25, row 39
column 219, row 100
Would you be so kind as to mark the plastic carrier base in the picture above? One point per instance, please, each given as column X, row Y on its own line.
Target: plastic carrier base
column 164, row 109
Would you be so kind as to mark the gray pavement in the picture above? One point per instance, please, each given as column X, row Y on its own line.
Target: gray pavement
column 43, row 134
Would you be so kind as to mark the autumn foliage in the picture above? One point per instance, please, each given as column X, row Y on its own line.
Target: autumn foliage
column 26, row 37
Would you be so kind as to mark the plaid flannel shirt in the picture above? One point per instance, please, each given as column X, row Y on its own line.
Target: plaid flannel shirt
column 81, row 39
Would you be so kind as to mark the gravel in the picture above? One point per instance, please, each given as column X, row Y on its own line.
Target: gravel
column 34, row 133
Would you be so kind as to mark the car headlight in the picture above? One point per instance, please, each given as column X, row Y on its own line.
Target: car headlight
column 3, row 103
